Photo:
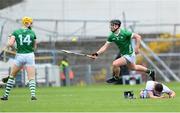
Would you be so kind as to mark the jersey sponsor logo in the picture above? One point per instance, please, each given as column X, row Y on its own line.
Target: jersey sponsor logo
column 118, row 38
column 113, row 39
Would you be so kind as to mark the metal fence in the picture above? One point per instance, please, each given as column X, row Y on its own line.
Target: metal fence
column 46, row 75
column 50, row 75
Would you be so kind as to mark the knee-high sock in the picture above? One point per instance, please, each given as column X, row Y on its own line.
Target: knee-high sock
column 32, row 87
column 9, row 85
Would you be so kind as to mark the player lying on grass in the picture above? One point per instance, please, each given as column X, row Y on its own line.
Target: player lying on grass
column 123, row 39
column 156, row 90
column 25, row 39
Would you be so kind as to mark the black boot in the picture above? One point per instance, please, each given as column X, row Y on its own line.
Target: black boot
column 4, row 98
column 4, row 80
column 114, row 79
column 152, row 75
column 33, row 98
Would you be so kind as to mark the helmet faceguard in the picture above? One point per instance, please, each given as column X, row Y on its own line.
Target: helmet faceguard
column 115, row 22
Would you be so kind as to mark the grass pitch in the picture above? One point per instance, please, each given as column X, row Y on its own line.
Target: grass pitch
column 95, row 98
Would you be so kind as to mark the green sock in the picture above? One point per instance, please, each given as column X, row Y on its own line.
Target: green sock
column 32, row 87
column 9, row 85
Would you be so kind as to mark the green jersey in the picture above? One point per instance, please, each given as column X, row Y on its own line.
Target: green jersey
column 25, row 39
column 123, row 41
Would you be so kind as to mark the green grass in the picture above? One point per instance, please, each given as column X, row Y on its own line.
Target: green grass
column 96, row 98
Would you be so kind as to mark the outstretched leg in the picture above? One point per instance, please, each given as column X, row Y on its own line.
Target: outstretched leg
column 10, row 82
column 141, row 68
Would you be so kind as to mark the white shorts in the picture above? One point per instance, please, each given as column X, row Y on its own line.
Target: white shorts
column 27, row 59
column 130, row 58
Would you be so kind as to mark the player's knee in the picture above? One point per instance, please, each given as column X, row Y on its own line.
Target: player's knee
column 13, row 73
column 115, row 64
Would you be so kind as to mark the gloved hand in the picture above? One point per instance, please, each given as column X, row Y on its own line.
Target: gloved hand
column 95, row 54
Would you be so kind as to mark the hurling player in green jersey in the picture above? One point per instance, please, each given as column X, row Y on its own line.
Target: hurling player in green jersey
column 25, row 40
column 123, row 38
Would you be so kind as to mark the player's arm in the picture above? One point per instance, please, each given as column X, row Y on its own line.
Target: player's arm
column 172, row 94
column 101, row 50
column 11, row 41
column 35, row 45
column 137, row 37
column 154, row 97
column 169, row 92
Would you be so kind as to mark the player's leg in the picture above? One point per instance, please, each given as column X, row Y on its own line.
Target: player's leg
column 113, row 78
column 11, row 81
column 32, row 84
column 131, row 59
column 30, row 68
column 141, row 68
column 116, row 64
column 116, row 69
column 18, row 62
column 4, row 80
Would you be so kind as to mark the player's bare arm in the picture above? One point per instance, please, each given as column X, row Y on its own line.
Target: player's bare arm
column 155, row 97
column 137, row 37
column 101, row 50
column 35, row 45
column 11, row 41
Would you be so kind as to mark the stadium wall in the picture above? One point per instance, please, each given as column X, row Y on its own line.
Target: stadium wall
column 143, row 11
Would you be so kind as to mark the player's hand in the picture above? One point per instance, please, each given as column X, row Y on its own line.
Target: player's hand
column 163, row 96
column 136, row 50
column 171, row 96
column 94, row 55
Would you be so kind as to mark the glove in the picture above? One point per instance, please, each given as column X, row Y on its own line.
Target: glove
column 94, row 54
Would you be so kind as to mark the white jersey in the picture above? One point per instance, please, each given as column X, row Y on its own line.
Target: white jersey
column 150, row 86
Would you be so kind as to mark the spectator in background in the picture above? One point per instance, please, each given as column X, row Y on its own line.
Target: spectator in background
column 64, row 70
